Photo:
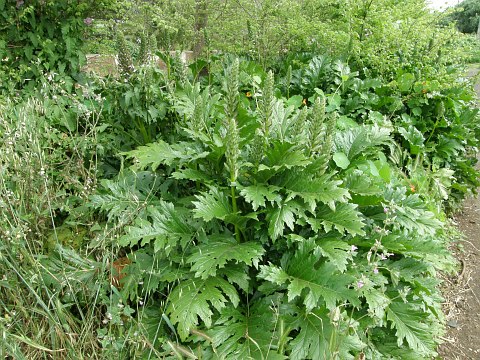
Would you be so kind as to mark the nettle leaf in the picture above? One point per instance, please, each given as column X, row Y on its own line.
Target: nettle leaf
column 168, row 226
column 216, row 253
column 413, row 326
column 194, row 298
column 155, row 154
column 247, row 333
column 212, row 205
column 322, row 283
column 257, row 194
column 322, row 189
column 282, row 215
column 319, row 339
column 345, row 218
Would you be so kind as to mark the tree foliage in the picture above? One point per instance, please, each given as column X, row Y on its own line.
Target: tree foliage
column 466, row 16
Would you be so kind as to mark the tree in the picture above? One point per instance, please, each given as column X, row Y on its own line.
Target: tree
column 467, row 16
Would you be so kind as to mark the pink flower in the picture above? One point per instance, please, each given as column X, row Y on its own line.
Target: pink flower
column 353, row 248
column 375, row 271
column 88, row 21
column 360, row 284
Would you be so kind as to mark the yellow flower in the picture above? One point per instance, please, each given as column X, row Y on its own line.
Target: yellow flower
column 248, row 94
column 304, row 102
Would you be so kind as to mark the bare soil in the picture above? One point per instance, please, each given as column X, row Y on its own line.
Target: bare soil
column 462, row 291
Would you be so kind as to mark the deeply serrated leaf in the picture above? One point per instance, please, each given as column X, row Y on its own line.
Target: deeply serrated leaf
column 320, row 189
column 194, row 298
column 283, row 156
column 377, row 303
column 247, row 333
column 345, row 218
column 257, row 194
column 411, row 326
column 160, row 152
column 215, row 254
column 212, row 205
column 319, row 339
column 168, row 226
column 281, row 216
column 154, row 154
column 338, row 252
column 320, row 282
column 236, row 274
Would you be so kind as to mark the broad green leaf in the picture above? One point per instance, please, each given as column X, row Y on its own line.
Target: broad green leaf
column 377, row 303
column 295, row 101
column 345, row 218
column 283, row 155
column 357, row 141
column 194, row 299
column 320, row 189
column 247, row 333
column 216, row 253
column 319, row 339
column 256, row 195
column 414, row 137
column 338, row 252
column 212, row 205
column 323, row 283
column 405, row 81
column 412, row 325
column 168, row 227
column 155, row 154
column 279, row 217
column 341, row 160
column 236, row 274
column 361, row 183
column 192, row 174
column 410, row 212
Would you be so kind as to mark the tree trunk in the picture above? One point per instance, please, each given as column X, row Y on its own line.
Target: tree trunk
column 478, row 30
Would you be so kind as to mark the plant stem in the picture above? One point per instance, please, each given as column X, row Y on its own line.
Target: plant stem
column 235, row 210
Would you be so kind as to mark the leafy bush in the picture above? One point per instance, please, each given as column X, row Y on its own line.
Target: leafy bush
column 435, row 120
column 41, row 36
column 261, row 230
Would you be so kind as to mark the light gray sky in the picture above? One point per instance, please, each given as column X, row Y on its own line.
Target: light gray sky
column 442, row 4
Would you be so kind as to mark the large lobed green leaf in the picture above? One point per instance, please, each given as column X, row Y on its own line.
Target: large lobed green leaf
column 193, row 299
column 323, row 284
column 217, row 252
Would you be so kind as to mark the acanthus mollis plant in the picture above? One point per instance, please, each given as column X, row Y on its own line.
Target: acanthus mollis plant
column 265, row 240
